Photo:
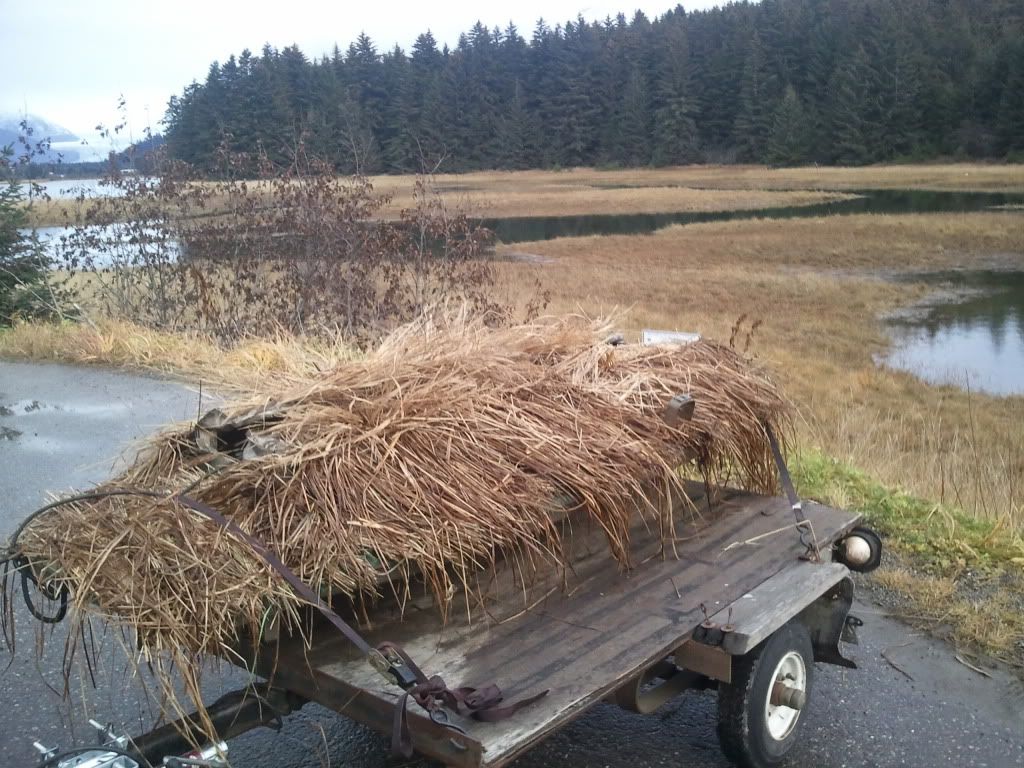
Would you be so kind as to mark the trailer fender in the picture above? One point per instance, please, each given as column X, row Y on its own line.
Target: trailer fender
column 828, row 620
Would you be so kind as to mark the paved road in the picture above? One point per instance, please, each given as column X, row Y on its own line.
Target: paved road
column 73, row 423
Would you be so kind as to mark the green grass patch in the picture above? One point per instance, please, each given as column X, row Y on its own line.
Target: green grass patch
column 938, row 538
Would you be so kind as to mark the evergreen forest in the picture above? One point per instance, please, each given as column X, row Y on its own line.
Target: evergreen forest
column 783, row 82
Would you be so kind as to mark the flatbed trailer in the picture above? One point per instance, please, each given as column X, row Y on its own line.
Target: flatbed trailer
column 739, row 602
column 602, row 630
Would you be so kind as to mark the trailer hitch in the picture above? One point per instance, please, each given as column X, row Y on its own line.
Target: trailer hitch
column 116, row 750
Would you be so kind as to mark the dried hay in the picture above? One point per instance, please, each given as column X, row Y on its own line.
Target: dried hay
column 451, row 445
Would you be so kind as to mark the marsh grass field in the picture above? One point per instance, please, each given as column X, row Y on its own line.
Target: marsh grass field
column 937, row 468
column 699, row 188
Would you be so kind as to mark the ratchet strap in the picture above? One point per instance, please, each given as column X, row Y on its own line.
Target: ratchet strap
column 802, row 524
column 389, row 659
column 432, row 694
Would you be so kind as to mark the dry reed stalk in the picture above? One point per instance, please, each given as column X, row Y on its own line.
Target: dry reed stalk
column 450, row 446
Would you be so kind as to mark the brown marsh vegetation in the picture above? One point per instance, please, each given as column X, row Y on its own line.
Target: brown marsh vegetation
column 817, row 288
column 526, row 193
column 663, row 190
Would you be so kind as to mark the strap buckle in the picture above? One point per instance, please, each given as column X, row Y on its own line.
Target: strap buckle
column 392, row 668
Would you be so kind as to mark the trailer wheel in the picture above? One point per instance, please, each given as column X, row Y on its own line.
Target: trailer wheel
column 756, row 724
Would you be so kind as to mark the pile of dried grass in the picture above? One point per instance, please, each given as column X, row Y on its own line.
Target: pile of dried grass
column 451, row 445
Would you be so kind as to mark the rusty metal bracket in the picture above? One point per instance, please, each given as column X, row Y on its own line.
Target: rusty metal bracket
column 705, row 660
column 655, row 686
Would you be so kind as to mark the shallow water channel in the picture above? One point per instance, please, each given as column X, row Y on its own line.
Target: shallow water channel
column 894, row 201
column 970, row 334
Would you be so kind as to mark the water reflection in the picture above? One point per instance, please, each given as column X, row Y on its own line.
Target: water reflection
column 974, row 339
column 103, row 246
column 891, row 201
column 65, row 189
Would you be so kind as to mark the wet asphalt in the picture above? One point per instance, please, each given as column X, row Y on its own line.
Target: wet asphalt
column 910, row 703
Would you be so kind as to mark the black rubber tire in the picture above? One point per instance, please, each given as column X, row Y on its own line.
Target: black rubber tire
column 742, row 730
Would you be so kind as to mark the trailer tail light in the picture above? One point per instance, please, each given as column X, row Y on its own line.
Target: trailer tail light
column 860, row 550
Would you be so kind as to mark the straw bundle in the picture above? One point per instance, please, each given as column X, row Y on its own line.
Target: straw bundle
column 452, row 445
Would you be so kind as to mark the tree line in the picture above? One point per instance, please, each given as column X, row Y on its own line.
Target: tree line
column 140, row 156
column 781, row 81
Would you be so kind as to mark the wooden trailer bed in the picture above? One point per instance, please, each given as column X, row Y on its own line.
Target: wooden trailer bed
column 581, row 639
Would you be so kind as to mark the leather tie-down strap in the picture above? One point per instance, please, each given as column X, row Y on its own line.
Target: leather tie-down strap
column 281, row 569
column 802, row 525
column 432, row 694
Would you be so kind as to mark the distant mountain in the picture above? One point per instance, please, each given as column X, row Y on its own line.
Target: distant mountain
column 10, row 130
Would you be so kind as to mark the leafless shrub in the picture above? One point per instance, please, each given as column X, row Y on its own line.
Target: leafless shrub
column 266, row 248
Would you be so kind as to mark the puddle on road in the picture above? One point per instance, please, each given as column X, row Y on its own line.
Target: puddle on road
column 40, row 422
column 22, row 407
column 92, row 409
column 32, row 407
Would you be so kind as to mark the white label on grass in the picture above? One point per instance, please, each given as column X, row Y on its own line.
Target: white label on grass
column 651, row 337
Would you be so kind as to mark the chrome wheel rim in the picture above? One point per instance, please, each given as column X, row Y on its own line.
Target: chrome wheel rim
column 791, row 672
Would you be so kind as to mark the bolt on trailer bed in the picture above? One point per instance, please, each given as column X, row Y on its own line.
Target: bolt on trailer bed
column 738, row 605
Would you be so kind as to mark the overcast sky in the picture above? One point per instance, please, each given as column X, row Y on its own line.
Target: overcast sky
column 68, row 61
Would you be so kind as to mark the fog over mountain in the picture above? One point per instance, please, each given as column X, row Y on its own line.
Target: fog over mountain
column 63, row 143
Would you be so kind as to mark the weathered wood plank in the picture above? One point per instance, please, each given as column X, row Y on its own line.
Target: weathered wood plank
column 580, row 636
column 770, row 605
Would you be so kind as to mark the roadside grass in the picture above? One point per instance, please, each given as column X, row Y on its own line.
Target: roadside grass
column 983, row 618
column 950, row 572
column 939, row 538
column 239, row 367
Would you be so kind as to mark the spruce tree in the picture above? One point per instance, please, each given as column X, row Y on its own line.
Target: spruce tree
column 852, row 110
column 1010, row 121
column 788, row 142
column 675, row 109
column 756, row 102
column 516, row 134
column 24, row 268
column 634, row 136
